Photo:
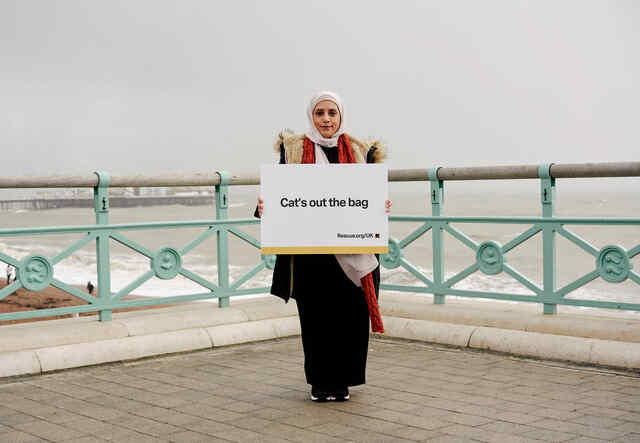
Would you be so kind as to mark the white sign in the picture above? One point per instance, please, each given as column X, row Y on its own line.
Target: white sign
column 324, row 209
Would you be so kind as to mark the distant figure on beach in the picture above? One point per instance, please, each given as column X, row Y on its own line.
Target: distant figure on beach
column 10, row 274
column 335, row 294
column 90, row 287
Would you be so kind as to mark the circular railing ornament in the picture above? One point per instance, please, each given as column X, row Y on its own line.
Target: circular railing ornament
column 392, row 258
column 166, row 263
column 490, row 258
column 269, row 260
column 35, row 273
column 613, row 264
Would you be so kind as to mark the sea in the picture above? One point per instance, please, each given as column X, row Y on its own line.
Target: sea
column 461, row 199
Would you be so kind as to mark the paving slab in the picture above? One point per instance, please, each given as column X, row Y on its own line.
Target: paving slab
column 402, row 401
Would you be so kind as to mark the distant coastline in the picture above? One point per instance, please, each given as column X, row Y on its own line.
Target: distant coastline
column 114, row 202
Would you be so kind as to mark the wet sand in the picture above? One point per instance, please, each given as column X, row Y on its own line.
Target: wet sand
column 23, row 300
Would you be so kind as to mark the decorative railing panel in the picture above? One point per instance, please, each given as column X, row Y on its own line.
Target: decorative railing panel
column 612, row 263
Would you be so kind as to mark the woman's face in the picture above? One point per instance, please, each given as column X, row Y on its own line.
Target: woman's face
column 326, row 118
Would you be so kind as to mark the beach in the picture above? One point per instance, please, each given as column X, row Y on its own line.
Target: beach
column 23, row 300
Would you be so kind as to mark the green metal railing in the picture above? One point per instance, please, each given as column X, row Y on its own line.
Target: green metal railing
column 35, row 272
column 612, row 263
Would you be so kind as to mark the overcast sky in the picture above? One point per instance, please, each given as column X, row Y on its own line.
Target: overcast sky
column 159, row 85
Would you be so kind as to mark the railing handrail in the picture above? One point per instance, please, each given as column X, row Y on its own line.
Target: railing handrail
column 512, row 172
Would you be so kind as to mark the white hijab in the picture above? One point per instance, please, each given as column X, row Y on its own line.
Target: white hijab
column 313, row 133
column 355, row 266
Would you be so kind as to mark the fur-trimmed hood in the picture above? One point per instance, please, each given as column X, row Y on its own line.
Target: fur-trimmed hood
column 293, row 146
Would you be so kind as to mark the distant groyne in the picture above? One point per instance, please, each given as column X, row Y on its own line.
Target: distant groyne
column 115, row 202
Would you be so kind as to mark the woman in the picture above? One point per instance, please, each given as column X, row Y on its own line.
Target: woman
column 330, row 290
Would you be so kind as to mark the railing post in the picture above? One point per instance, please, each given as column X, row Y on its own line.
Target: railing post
column 548, row 196
column 222, row 236
column 101, row 208
column 437, row 239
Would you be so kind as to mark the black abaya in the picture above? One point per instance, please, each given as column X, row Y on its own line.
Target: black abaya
column 334, row 319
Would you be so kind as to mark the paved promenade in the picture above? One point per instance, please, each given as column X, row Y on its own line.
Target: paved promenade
column 257, row 393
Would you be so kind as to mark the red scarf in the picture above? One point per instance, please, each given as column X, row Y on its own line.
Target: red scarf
column 345, row 155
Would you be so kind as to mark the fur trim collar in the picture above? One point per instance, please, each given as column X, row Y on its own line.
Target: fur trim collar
column 293, row 146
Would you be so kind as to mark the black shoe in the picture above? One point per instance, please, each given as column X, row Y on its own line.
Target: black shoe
column 320, row 395
column 340, row 394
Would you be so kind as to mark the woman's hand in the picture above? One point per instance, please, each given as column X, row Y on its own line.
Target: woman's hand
column 260, row 206
column 387, row 206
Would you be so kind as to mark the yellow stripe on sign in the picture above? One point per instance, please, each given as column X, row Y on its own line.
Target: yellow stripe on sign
column 293, row 250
